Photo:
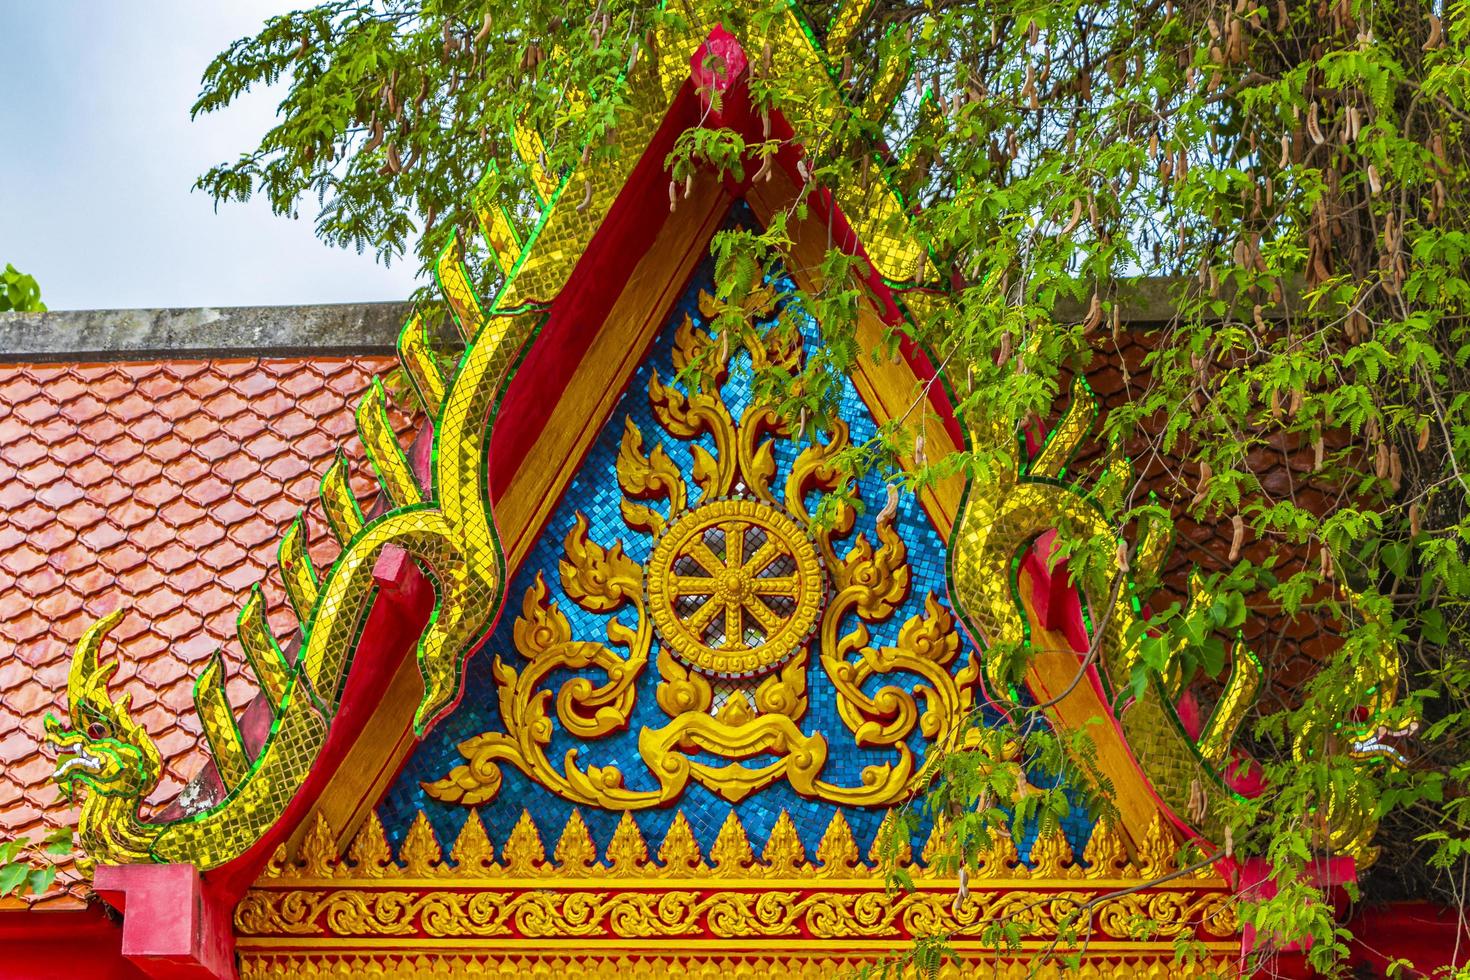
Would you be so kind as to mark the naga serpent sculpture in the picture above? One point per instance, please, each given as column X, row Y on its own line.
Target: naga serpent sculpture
column 1007, row 510
column 449, row 532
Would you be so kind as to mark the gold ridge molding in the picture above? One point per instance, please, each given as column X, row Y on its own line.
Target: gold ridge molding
column 632, row 897
column 819, row 965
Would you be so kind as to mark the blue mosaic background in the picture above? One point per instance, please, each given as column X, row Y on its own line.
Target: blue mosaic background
column 594, row 492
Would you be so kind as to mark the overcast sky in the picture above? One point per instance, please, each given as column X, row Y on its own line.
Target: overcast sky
column 98, row 155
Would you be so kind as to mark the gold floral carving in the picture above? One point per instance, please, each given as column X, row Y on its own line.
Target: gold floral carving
column 623, row 895
column 672, row 913
column 739, row 584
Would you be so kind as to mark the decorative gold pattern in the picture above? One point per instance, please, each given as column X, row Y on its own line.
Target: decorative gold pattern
column 267, row 660
column 452, row 538
column 418, row 364
column 344, row 515
column 218, row 720
column 721, row 965
column 859, row 913
column 383, row 450
column 1350, row 820
column 297, row 572
column 625, row 900
column 783, row 855
column 1218, row 734
column 732, row 555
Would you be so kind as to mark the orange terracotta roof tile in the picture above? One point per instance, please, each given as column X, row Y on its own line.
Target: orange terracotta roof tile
column 162, row 486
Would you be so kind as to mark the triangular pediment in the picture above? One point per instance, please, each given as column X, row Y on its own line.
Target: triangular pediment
column 683, row 618
column 622, row 770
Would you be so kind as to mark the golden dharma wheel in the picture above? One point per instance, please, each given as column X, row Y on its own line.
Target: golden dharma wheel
column 735, row 587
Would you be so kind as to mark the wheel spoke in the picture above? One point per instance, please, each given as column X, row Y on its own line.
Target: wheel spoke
column 734, row 635
column 707, row 559
column 693, row 585
column 763, row 556
column 703, row 616
column 734, row 543
column 763, row 614
column 776, row 585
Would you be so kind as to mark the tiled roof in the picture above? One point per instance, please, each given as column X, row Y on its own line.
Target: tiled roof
column 163, row 487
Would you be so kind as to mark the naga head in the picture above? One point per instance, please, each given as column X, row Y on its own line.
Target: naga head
column 100, row 746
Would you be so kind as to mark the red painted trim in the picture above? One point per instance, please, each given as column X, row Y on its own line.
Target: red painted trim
column 625, row 236
column 172, row 928
column 718, row 65
column 1054, row 598
column 1433, row 938
column 42, row 944
column 397, row 618
column 1253, row 882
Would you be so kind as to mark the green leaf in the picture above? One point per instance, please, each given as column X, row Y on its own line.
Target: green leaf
column 40, row 879
column 1432, row 626
column 1212, row 656
column 12, row 876
column 60, row 841
column 1155, row 652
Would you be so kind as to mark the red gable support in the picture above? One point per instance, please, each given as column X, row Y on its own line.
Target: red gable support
column 172, row 929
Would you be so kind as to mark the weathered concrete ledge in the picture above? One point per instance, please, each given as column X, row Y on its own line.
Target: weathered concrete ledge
column 324, row 330
column 241, row 331
column 1147, row 300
